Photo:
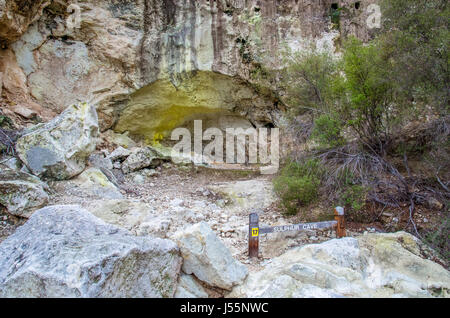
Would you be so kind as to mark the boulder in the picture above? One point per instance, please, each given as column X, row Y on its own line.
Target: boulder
column 207, row 257
column 97, row 184
column 119, row 153
column 141, row 158
column 65, row 251
column 59, row 148
column 98, row 160
column 373, row 265
column 21, row 193
column 121, row 140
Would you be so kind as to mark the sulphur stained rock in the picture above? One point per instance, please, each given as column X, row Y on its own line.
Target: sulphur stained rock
column 121, row 140
column 65, row 251
column 123, row 47
column 141, row 158
column 21, row 193
column 207, row 257
column 59, row 148
column 374, row 265
column 189, row 288
column 161, row 107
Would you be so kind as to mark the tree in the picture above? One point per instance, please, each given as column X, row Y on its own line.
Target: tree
column 364, row 95
column 416, row 37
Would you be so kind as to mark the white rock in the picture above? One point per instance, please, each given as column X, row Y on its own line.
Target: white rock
column 95, row 183
column 22, row 193
column 177, row 202
column 250, row 194
column 119, row 153
column 65, row 251
column 141, row 158
column 207, row 258
column 189, row 288
column 59, row 148
column 374, row 265
column 139, row 179
column 157, row 227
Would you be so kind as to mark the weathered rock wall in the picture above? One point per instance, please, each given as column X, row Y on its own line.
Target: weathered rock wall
column 123, row 52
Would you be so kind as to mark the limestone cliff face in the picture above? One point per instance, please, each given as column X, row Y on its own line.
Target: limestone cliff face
column 147, row 65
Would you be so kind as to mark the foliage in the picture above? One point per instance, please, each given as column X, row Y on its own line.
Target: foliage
column 353, row 197
column 336, row 17
column 8, row 135
column 416, row 37
column 328, row 131
column 6, row 122
column 307, row 80
column 438, row 239
column 371, row 108
column 298, row 185
column 365, row 95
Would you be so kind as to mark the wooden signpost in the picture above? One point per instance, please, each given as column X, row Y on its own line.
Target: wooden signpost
column 255, row 231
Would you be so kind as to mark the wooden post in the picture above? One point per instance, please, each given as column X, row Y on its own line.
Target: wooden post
column 253, row 235
column 339, row 216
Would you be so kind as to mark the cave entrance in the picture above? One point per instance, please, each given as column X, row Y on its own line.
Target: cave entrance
column 218, row 100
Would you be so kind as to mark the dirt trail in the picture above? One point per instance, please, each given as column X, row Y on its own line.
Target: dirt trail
column 179, row 197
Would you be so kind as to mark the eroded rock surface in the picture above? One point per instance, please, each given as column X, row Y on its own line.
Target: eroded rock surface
column 16, row 16
column 148, row 66
column 374, row 265
column 248, row 194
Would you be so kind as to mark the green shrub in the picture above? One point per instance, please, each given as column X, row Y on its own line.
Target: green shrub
column 438, row 239
column 298, row 185
column 351, row 195
column 354, row 197
column 327, row 132
column 6, row 122
column 335, row 15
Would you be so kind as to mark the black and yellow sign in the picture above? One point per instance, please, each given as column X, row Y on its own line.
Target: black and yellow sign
column 255, row 231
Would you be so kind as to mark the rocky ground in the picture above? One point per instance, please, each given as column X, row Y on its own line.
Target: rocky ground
column 170, row 198
column 85, row 214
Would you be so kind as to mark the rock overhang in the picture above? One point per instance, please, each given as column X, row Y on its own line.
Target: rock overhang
column 162, row 106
